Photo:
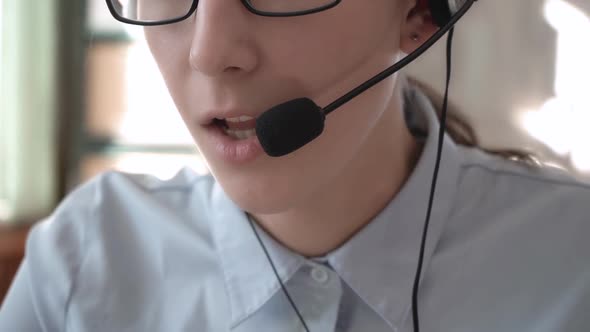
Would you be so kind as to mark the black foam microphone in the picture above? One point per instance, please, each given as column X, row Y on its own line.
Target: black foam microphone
column 291, row 125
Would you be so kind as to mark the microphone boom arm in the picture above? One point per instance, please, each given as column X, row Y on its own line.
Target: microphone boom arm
column 400, row 64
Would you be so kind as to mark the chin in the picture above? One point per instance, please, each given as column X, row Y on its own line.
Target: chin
column 259, row 194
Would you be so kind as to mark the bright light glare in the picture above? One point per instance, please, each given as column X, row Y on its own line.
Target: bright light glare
column 151, row 116
column 563, row 122
column 550, row 125
column 580, row 154
column 573, row 50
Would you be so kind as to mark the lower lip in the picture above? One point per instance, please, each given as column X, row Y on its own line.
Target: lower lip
column 232, row 150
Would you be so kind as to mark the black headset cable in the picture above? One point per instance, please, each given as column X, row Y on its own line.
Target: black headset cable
column 441, row 134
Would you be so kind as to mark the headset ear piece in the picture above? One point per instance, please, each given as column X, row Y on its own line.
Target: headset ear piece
column 440, row 11
column 443, row 10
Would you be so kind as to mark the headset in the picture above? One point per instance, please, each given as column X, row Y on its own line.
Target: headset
column 441, row 10
column 289, row 126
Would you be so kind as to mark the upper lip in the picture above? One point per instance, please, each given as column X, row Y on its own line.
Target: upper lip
column 219, row 114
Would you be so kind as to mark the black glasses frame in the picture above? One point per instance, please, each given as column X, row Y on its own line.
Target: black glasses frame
column 191, row 11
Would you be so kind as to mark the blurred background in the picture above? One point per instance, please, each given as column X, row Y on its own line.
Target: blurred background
column 80, row 94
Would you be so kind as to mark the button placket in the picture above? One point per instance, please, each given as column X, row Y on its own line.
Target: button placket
column 324, row 300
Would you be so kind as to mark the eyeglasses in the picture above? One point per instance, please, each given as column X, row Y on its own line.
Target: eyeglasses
column 160, row 12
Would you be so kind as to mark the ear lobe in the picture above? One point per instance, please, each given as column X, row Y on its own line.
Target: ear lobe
column 418, row 27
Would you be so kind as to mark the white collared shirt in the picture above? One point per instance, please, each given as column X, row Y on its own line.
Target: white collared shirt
column 507, row 250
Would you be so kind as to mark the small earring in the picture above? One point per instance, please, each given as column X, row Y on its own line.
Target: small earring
column 414, row 36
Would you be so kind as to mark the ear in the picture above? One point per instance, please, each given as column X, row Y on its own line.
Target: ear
column 417, row 28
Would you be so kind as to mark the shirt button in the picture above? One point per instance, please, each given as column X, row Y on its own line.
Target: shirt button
column 319, row 274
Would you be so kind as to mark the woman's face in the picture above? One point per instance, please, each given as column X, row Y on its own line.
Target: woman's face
column 225, row 61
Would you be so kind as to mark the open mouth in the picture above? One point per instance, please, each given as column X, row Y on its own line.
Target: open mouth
column 237, row 128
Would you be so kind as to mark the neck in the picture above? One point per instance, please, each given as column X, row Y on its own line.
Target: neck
column 333, row 215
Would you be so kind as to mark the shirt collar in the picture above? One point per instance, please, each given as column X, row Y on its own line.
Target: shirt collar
column 392, row 239
column 249, row 278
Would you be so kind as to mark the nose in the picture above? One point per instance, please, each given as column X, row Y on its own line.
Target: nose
column 221, row 42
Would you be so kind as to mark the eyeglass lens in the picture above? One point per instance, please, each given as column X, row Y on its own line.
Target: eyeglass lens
column 163, row 10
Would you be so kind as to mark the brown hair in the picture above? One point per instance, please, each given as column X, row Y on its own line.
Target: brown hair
column 460, row 130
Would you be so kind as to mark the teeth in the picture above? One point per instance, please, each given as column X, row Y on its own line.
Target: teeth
column 240, row 134
column 238, row 119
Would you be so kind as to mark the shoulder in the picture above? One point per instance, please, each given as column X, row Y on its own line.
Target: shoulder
column 115, row 203
column 493, row 186
column 515, row 242
column 112, row 195
column 119, row 235
column 115, row 197
column 495, row 173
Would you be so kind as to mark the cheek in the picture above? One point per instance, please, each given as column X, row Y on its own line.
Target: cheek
column 328, row 55
column 347, row 130
column 166, row 43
